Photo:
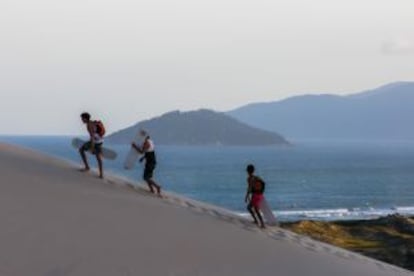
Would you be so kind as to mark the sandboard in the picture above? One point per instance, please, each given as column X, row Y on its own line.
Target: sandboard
column 268, row 215
column 132, row 156
column 106, row 153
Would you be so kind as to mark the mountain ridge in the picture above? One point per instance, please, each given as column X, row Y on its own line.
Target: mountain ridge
column 200, row 127
column 382, row 113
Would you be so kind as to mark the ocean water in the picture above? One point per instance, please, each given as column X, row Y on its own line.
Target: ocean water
column 320, row 181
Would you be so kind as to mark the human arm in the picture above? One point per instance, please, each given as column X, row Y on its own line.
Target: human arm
column 91, row 131
column 248, row 191
column 137, row 148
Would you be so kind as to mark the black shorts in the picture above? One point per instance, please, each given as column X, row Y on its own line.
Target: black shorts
column 87, row 147
column 149, row 171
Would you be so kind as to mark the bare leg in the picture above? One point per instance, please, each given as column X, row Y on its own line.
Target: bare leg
column 250, row 209
column 84, row 159
column 149, row 185
column 260, row 217
column 100, row 166
column 157, row 187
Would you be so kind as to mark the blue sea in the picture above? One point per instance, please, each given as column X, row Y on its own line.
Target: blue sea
column 310, row 180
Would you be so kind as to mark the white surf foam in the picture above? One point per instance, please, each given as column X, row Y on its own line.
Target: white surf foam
column 340, row 213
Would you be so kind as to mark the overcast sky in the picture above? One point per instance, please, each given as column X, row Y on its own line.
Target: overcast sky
column 128, row 60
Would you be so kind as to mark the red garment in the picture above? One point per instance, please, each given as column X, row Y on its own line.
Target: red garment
column 257, row 200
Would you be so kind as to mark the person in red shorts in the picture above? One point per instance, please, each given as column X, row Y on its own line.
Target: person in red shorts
column 254, row 195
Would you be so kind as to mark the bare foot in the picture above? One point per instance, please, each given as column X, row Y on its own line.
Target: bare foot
column 84, row 170
column 159, row 191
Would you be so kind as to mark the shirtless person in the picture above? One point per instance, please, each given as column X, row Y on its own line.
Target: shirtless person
column 94, row 144
column 254, row 195
column 147, row 149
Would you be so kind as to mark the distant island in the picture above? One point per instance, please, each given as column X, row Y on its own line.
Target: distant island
column 382, row 114
column 201, row 127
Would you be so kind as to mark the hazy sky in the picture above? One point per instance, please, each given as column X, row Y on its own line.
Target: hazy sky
column 128, row 60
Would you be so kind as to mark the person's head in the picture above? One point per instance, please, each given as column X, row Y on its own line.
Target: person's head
column 86, row 117
column 143, row 133
column 250, row 169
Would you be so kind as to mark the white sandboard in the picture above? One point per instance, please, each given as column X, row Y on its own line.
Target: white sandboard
column 106, row 153
column 268, row 215
column 133, row 155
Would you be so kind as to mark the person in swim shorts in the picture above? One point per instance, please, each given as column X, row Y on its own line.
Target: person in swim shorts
column 148, row 150
column 94, row 144
column 254, row 195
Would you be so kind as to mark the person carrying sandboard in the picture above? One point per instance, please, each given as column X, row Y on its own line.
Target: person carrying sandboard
column 148, row 150
column 96, row 131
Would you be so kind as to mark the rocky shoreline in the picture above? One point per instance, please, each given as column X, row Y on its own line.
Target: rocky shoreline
column 389, row 239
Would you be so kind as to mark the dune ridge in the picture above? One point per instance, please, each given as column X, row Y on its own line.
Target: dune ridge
column 58, row 221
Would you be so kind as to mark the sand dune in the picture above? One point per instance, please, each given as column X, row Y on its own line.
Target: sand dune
column 58, row 221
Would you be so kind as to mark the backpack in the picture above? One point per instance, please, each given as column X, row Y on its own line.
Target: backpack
column 100, row 128
column 259, row 185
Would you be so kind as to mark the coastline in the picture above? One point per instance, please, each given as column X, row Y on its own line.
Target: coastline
column 293, row 184
column 389, row 239
column 57, row 219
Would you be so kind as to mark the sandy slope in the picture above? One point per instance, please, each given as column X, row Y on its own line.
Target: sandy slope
column 58, row 221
